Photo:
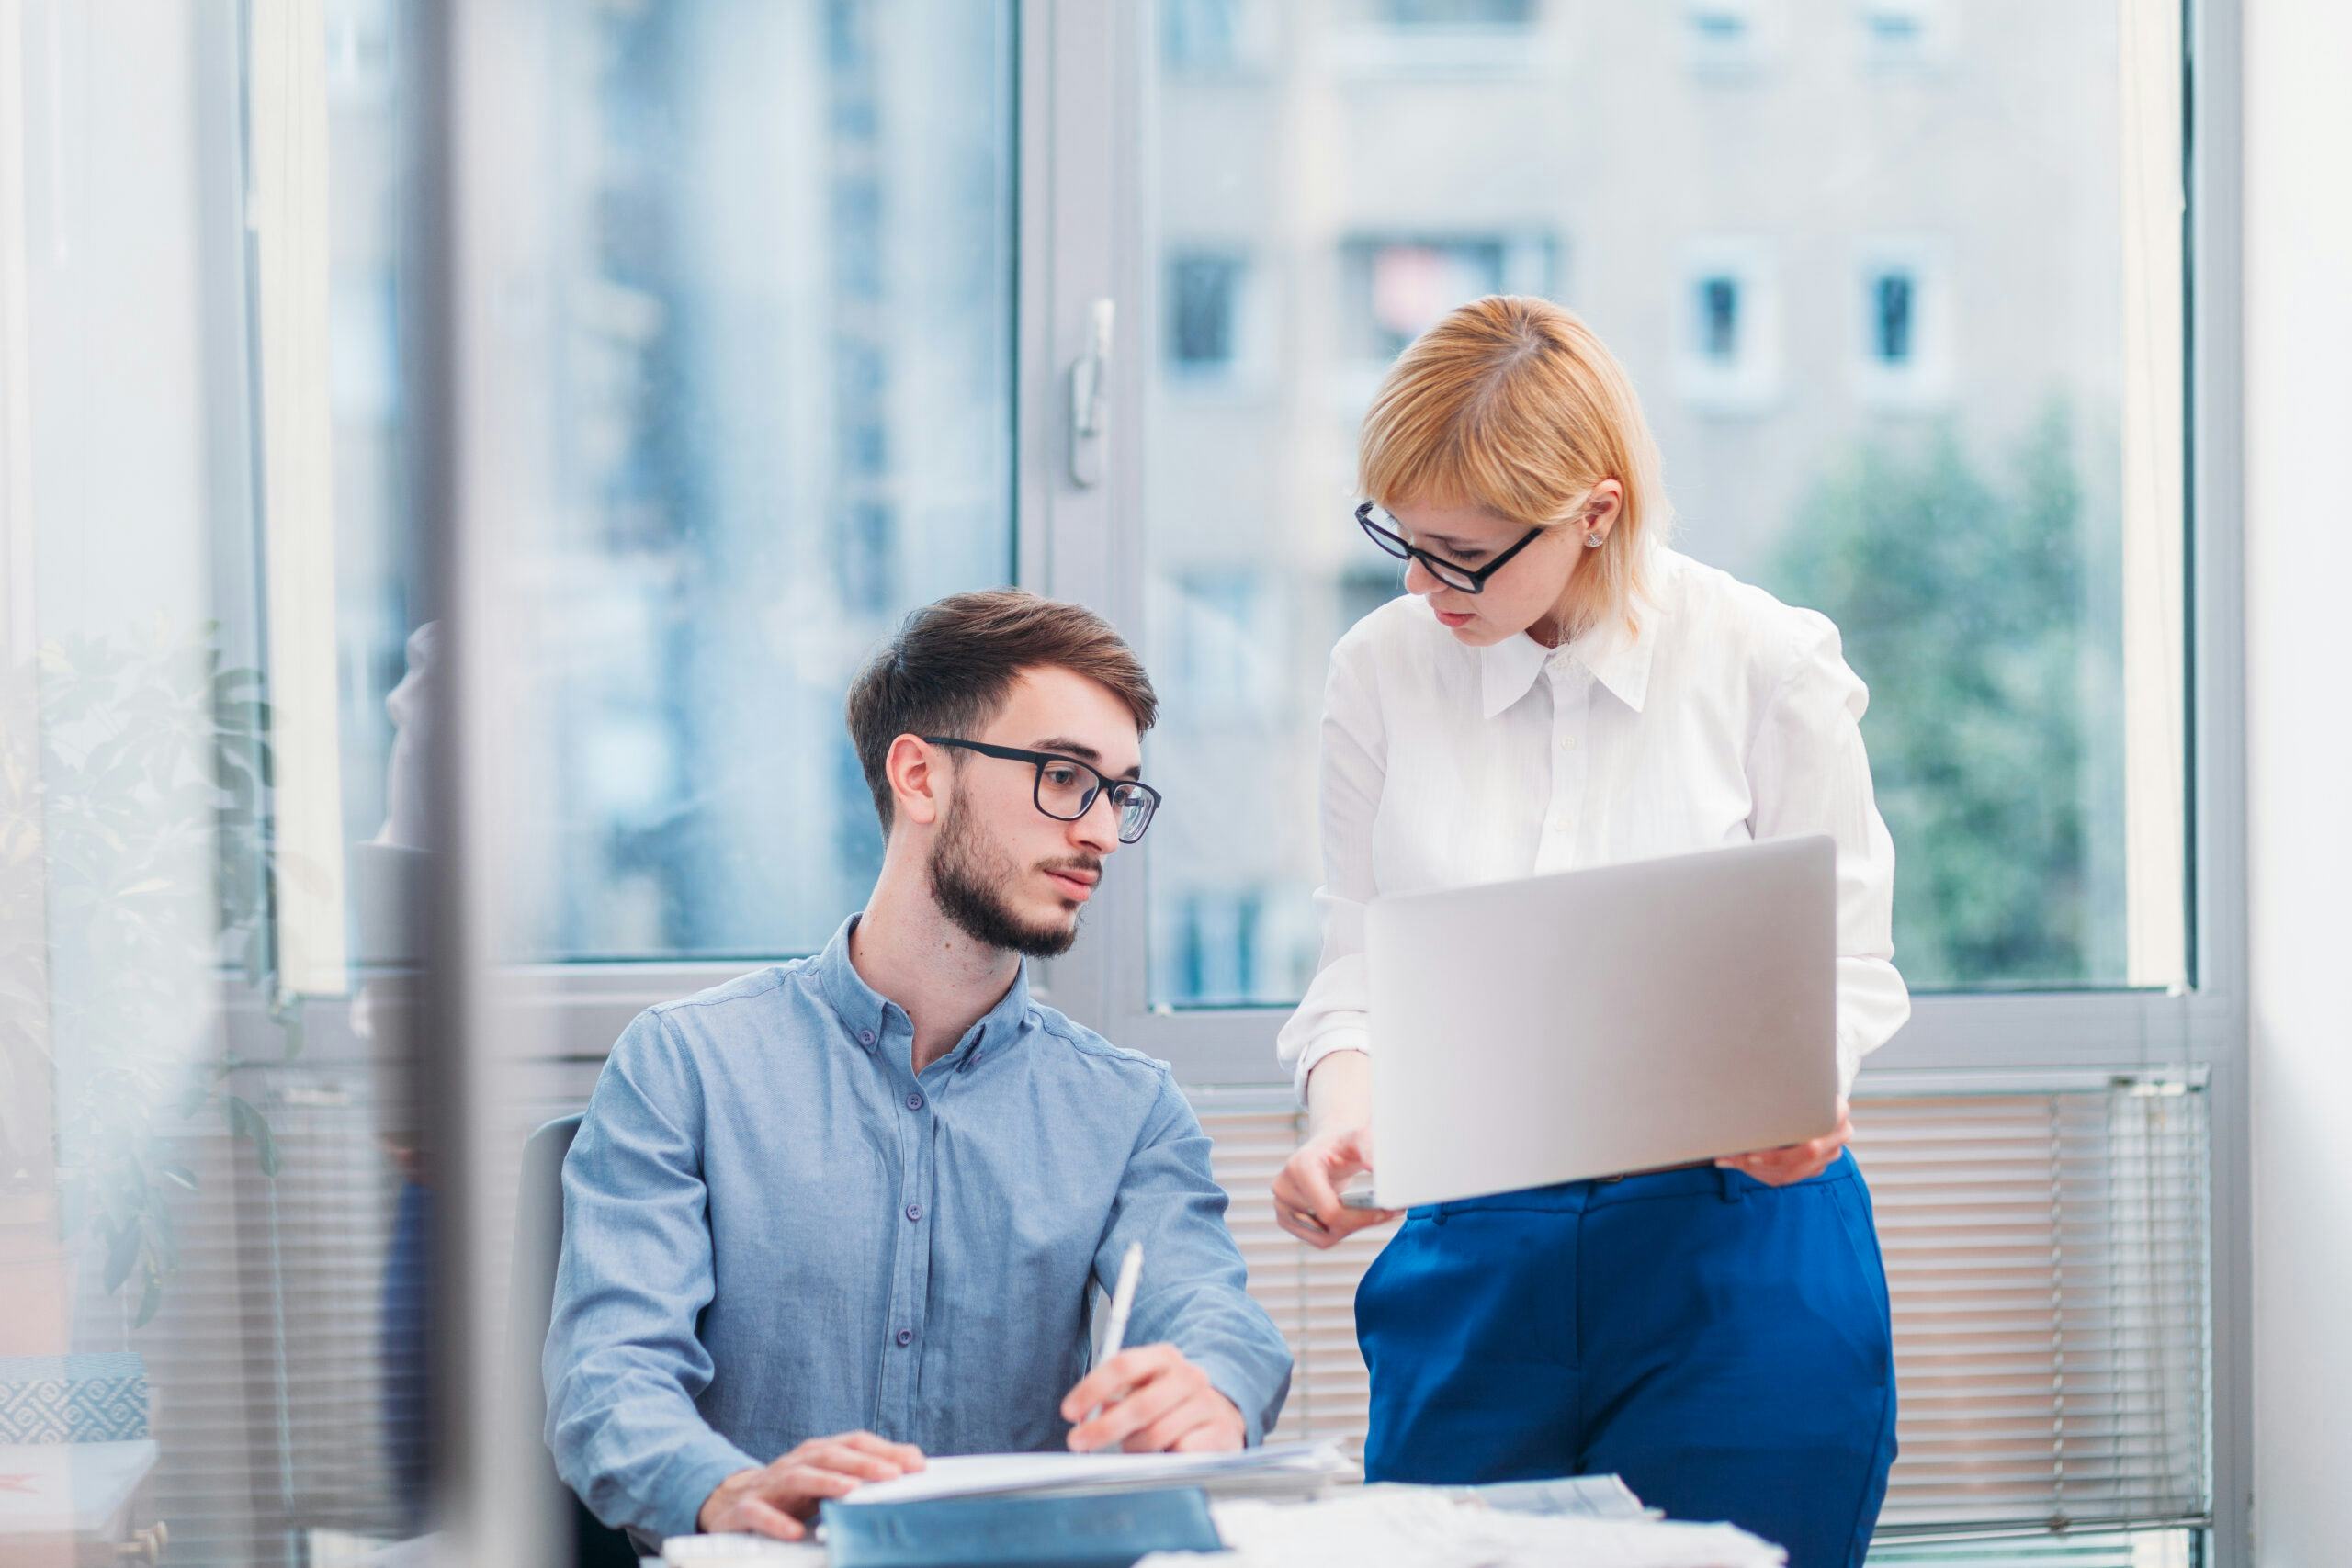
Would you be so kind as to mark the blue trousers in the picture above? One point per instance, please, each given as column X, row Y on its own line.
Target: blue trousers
column 1721, row 1344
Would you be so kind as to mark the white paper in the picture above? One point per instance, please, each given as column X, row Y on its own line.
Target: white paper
column 728, row 1550
column 971, row 1475
column 1385, row 1527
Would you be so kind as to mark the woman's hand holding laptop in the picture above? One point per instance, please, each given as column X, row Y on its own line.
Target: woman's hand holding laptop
column 1796, row 1162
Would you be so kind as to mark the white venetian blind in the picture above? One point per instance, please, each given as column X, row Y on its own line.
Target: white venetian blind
column 264, row 1362
column 2045, row 1256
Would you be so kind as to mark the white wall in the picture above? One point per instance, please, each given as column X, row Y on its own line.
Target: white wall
column 2299, row 767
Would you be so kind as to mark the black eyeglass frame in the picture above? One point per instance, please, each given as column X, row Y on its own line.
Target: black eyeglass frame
column 1039, row 760
column 1453, row 574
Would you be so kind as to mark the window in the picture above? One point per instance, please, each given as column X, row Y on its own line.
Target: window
column 1903, row 339
column 1725, row 38
column 1210, row 37
column 1905, row 35
column 1204, row 331
column 776, row 423
column 1717, row 333
column 1500, row 13
column 1394, row 288
column 1893, row 295
column 1217, row 945
column 1730, row 355
column 1228, row 650
column 745, row 341
column 1803, row 368
column 1421, row 37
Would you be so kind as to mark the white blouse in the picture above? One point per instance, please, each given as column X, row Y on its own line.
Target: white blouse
column 1727, row 717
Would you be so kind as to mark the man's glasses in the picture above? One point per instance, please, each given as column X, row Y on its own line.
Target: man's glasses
column 1469, row 580
column 1067, row 787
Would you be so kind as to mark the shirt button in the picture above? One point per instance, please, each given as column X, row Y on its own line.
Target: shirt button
column 905, row 1337
column 914, row 1102
column 866, row 1037
column 914, row 1210
column 1567, row 742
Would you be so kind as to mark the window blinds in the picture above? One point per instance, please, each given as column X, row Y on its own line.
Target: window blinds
column 2045, row 1253
column 2045, row 1256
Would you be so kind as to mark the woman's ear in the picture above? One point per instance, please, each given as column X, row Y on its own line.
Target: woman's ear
column 1602, row 507
column 918, row 780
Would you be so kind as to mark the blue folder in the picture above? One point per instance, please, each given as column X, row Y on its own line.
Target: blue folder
column 1093, row 1529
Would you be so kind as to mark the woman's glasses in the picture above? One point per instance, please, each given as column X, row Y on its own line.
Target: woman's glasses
column 1469, row 580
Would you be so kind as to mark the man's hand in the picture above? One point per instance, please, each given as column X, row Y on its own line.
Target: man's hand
column 774, row 1499
column 1796, row 1162
column 1307, row 1189
column 1154, row 1401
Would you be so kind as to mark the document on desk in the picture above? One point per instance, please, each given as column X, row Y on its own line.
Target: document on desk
column 1306, row 1465
column 1424, row 1528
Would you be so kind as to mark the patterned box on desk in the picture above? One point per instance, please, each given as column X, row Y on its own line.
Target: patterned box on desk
column 73, row 1399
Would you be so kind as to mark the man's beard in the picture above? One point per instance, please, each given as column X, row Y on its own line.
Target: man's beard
column 968, row 877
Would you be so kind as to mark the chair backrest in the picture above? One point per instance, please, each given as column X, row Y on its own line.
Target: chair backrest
column 539, row 1243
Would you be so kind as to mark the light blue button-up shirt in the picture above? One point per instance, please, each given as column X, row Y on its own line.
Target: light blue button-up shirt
column 775, row 1230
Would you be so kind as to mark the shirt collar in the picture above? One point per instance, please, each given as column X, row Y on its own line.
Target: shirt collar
column 865, row 1013
column 1618, row 657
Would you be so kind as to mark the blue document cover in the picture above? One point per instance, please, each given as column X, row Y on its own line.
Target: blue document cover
column 1097, row 1529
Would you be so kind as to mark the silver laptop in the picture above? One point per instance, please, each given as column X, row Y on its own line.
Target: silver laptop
column 1597, row 1022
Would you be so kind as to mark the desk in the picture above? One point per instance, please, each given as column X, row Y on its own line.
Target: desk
column 72, row 1503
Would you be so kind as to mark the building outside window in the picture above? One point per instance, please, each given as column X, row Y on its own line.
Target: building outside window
column 1729, row 329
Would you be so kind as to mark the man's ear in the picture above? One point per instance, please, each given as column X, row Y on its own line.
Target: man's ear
column 918, row 776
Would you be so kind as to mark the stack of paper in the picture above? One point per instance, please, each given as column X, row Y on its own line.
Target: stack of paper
column 1287, row 1469
column 1583, row 1496
column 1414, row 1527
column 740, row 1551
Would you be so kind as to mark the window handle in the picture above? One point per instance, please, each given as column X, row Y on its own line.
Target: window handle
column 1089, row 399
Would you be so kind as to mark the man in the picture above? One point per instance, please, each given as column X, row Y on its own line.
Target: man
column 870, row 1189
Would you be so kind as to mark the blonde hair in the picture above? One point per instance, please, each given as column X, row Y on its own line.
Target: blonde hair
column 1512, row 404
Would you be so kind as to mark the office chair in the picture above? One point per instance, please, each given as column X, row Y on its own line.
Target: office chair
column 538, row 1241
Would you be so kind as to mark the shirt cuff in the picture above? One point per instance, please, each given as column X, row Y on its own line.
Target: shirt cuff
column 1345, row 1037
column 1232, row 1382
column 686, row 1482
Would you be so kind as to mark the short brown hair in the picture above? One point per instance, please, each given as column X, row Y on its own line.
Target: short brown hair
column 952, row 664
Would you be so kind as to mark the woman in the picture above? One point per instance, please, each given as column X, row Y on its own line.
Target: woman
column 1558, row 691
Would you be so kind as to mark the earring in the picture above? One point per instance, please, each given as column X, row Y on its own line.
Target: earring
column 1592, row 539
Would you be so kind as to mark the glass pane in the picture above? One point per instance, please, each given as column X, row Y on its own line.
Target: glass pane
column 756, row 357
column 213, row 1221
column 1905, row 317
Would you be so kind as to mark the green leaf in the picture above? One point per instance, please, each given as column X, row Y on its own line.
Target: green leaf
column 247, row 1123
column 150, row 1300
column 123, row 1250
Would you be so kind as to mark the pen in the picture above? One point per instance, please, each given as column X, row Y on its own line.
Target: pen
column 1123, row 1301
